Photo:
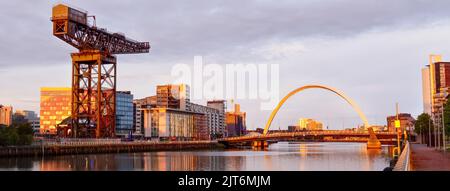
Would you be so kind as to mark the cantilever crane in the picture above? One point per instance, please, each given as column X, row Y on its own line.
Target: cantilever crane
column 93, row 71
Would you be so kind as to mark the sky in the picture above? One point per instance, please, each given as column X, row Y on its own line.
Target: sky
column 372, row 50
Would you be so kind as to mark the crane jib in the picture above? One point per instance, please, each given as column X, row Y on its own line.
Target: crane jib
column 71, row 26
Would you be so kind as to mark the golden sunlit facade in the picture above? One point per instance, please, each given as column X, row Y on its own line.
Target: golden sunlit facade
column 6, row 115
column 309, row 124
column 235, row 122
column 55, row 107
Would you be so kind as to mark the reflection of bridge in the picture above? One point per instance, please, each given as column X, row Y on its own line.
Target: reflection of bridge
column 372, row 141
column 323, row 136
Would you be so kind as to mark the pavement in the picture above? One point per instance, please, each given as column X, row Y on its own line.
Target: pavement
column 424, row 158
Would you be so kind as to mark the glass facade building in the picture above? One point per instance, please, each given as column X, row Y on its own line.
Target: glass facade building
column 173, row 124
column 55, row 107
column 124, row 113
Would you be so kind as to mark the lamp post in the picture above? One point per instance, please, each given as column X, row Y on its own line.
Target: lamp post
column 438, row 133
column 443, row 130
column 397, row 126
column 429, row 131
column 434, row 135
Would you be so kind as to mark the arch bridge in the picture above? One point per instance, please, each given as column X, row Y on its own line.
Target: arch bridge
column 372, row 141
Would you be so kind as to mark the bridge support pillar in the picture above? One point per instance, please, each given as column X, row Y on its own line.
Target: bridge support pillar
column 260, row 144
column 373, row 142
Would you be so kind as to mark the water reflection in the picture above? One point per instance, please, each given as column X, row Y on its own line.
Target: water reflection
column 279, row 156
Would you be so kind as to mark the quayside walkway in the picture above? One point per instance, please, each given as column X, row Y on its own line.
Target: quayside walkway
column 424, row 158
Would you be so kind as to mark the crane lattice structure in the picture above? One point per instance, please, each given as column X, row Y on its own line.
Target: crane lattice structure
column 93, row 70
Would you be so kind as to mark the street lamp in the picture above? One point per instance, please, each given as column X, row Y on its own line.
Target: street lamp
column 429, row 131
column 443, row 130
column 397, row 128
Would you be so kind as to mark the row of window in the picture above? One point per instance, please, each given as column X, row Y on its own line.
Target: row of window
column 53, row 117
column 56, row 113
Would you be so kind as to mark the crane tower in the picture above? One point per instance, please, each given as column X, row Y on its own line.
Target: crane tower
column 93, row 70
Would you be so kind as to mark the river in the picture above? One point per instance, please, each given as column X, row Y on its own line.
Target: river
column 280, row 156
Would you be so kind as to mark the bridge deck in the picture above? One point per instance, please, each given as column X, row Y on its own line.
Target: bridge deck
column 329, row 135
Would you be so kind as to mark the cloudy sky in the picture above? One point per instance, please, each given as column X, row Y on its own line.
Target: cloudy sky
column 372, row 50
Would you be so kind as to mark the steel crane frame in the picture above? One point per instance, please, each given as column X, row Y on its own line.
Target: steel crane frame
column 93, row 71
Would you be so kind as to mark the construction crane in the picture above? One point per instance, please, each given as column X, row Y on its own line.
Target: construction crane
column 93, row 71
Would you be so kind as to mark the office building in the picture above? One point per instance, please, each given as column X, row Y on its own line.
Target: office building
column 124, row 113
column 173, row 96
column 5, row 115
column 30, row 117
column 309, row 124
column 138, row 113
column 214, row 119
column 435, row 87
column 220, row 127
column 55, row 107
column 35, row 124
column 406, row 122
column 435, row 84
column 172, row 102
column 426, row 90
column 167, row 124
column 235, row 122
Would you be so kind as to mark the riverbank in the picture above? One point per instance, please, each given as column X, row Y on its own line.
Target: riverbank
column 129, row 147
column 424, row 158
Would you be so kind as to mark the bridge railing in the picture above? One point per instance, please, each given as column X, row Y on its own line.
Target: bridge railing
column 301, row 133
column 403, row 162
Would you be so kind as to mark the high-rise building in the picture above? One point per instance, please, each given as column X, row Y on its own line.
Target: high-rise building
column 235, row 122
column 426, row 90
column 435, row 87
column 138, row 112
column 6, row 115
column 55, row 107
column 435, row 84
column 124, row 113
column 309, row 124
column 173, row 96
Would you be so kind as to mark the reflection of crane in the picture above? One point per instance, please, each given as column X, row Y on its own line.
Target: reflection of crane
column 93, row 70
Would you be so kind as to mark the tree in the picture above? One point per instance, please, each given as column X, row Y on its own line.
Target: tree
column 24, row 133
column 16, row 134
column 423, row 125
column 447, row 117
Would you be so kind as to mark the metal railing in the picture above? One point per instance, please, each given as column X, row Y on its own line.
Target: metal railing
column 305, row 133
column 101, row 142
column 403, row 162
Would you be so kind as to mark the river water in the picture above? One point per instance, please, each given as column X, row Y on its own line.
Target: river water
column 280, row 156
